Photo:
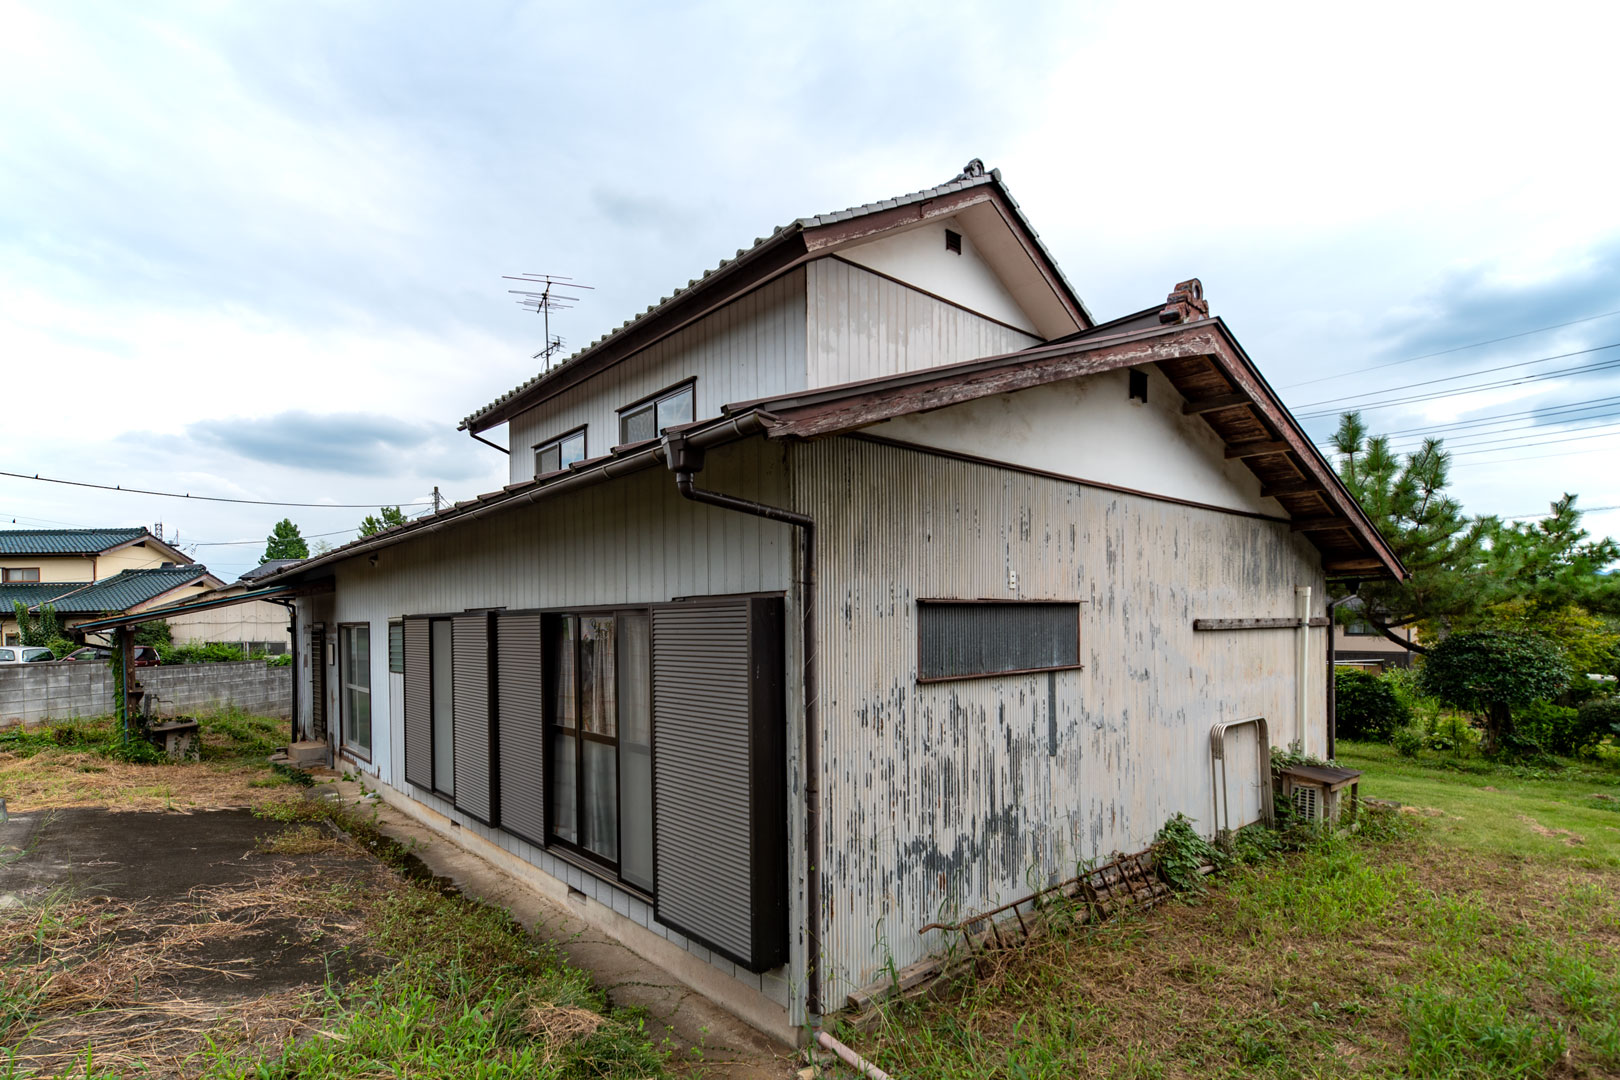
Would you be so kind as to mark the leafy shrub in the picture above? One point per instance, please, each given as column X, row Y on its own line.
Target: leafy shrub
column 155, row 633
column 200, row 652
column 1408, row 741
column 1551, row 727
column 1596, row 719
column 279, row 660
column 1179, row 853
column 1369, row 706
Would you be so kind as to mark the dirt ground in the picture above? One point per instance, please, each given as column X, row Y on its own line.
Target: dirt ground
column 147, row 931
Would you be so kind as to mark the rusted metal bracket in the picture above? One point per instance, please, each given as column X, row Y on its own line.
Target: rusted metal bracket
column 1126, row 881
column 1217, row 753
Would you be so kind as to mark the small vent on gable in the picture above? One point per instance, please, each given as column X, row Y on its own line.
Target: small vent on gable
column 953, row 241
column 1139, row 386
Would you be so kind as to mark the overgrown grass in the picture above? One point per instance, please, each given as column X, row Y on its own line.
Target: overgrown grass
column 1383, row 955
column 451, row 987
column 85, row 762
column 1565, row 811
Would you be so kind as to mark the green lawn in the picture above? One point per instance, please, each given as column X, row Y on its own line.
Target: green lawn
column 1455, row 941
column 1567, row 814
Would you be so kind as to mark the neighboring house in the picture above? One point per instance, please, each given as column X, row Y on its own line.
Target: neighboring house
column 259, row 626
column 125, row 592
column 865, row 580
column 1356, row 643
column 44, row 566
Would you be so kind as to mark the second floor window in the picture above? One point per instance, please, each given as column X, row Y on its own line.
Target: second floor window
column 559, row 453
column 27, row 573
column 665, row 409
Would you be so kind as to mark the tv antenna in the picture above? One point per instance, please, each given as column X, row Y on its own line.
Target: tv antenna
column 552, row 295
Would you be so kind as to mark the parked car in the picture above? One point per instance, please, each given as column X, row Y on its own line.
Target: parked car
column 25, row 654
column 145, row 655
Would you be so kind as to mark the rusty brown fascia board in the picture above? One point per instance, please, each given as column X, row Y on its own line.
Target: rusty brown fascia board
column 751, row 270
column 706, row 434
column 856, row 405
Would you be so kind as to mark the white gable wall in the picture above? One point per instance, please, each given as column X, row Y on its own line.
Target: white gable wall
column 919, row 257
column 1091, row 429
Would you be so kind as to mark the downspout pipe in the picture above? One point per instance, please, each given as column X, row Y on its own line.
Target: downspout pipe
column 292, row 632
column 1332, row 690
column 685, row 460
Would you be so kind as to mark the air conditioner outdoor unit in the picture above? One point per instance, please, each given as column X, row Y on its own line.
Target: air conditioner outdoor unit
column 1316, row 791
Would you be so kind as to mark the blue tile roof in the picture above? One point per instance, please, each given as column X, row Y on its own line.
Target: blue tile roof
column 116, row 594
column 64, row 541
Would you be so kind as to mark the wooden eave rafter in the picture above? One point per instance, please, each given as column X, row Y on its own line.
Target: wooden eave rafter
column 1200, row 359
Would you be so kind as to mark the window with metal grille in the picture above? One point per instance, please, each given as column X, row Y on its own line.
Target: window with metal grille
column 647, row 419
column 976, row 639
column 953, row 241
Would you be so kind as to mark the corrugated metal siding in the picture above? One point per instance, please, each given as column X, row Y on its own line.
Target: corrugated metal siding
column 475, row 744
column 862, row 326
column 630, row 542
column 749, row 349
column 418, row 704
column 954, row 797
column 971, row 639
column 521, row 734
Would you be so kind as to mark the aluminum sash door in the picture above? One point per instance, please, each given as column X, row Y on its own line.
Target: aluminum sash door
column 418, row 704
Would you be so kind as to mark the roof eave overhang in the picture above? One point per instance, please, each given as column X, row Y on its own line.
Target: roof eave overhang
column 776, row 256
column 841, row 409
column 279, row 592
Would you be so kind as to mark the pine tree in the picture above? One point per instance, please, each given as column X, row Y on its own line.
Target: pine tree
column 284, row 542
column 390, row 516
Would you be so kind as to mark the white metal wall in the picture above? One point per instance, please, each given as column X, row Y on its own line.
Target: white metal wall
column 862, row 326
column 630, row 541
column 749, row 349
column 948, row 798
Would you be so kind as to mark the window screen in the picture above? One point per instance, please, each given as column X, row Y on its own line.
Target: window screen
column 969, row 640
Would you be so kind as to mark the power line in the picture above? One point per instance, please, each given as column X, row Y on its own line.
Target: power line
column 210, row 498
column 236, row 543
column 1447, row 352
column 1464, row 375
column 1494, row 418
column 1604, row 366
column 1518, row 434
column 1518, row 444
column 1583, row 510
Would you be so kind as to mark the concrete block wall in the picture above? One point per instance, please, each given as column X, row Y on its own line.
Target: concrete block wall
column 64, row 691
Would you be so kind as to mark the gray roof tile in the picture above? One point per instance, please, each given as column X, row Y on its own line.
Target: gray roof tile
column 980, row 177
column 64, row 541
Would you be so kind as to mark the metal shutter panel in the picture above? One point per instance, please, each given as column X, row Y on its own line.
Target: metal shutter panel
column 474, row 731
column 418, row 704
column 719, row 815
column 520, row 726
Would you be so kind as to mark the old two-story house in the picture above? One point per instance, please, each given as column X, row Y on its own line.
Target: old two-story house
column 865, row 579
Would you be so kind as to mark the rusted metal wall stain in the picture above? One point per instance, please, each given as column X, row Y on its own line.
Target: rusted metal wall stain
column 945, row 798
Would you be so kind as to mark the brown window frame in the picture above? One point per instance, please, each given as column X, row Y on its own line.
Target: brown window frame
column 8, row 575
column 575, row 850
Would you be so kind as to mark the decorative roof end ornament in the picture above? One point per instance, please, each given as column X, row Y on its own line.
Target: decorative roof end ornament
column 971, row 171
column 1185, row 303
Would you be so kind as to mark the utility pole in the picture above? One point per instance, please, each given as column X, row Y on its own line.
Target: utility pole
column 436, row 499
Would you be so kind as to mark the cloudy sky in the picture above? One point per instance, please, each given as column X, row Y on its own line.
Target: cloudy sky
column 255, row 250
